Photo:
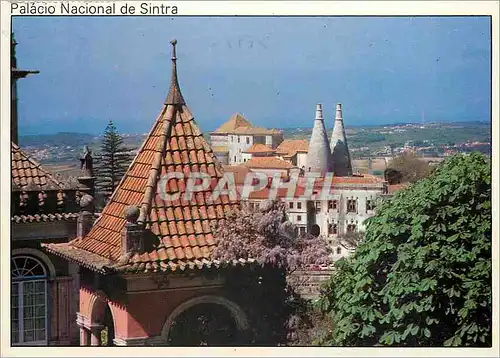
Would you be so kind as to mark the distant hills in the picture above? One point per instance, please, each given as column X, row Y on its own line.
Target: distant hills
column 58, row 139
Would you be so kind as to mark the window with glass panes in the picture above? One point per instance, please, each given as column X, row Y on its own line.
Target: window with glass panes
column 351, row 205
column 332, row 229
column 28, row 301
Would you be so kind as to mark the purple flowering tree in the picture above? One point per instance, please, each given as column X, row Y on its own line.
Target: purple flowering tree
column 267, row 236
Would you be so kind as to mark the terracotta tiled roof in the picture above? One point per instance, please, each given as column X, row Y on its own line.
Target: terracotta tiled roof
column 259, row 148
column 393, row 188
column 238, row 124
column 44, row 217
column 238, row 171
column 267, row 163
column 182, row 228
column 27, row 174
column 236, row 121
column 291, row 146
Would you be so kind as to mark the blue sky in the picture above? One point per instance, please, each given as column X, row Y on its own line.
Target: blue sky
column 271, row 69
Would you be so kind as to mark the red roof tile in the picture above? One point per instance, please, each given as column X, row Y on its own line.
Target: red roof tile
column 291, row 146
column 267, row 163
column 259, row 148
column 393, row 188
column 27, row 174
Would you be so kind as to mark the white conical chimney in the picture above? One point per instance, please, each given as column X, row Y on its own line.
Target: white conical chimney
column 338, row 145
column 319, row 155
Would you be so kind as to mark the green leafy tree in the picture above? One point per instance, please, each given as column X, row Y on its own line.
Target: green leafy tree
column 112, row 163
column 422, row 274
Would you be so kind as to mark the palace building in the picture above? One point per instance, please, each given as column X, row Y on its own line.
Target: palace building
column 234, row 138
column 353, row 196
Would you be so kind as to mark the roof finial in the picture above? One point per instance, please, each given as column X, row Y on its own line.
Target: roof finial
column 174, row 94
column 173, row 42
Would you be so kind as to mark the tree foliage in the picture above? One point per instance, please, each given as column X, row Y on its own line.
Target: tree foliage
column 422, row 275
column 112, row 162
column 410, row 167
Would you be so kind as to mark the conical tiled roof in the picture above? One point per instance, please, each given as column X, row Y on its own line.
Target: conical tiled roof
column 338, row 145
column 181, row 228
column 318, row 158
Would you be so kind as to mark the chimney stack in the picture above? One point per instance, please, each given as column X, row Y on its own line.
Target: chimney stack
column 338, row 145
column 133, row 233
column 87, row 178
column 86, row 217
column 319, row 157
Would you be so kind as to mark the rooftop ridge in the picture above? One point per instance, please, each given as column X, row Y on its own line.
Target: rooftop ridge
column 154, row 172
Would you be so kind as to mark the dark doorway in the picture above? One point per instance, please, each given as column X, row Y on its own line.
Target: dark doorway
column 205, row 324
column 108, row 332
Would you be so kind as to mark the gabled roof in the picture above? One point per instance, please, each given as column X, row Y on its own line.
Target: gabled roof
column 181, row 228
column 267, row 163
column 291, row 146
column 236, row 121
column 259, row 148
column 240, row 172
column 238, row 124
column 27, row 174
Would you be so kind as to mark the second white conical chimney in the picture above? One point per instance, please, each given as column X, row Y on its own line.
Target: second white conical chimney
column 338, row 145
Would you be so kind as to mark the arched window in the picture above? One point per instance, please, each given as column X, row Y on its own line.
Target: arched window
column 28, row 301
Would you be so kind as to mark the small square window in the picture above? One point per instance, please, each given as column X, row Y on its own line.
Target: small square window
column 351, row 206
column 370, row 205
column 299, row 205
column 332, row 204
column 299, row 217
column 332, row 229
column 291, row 205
